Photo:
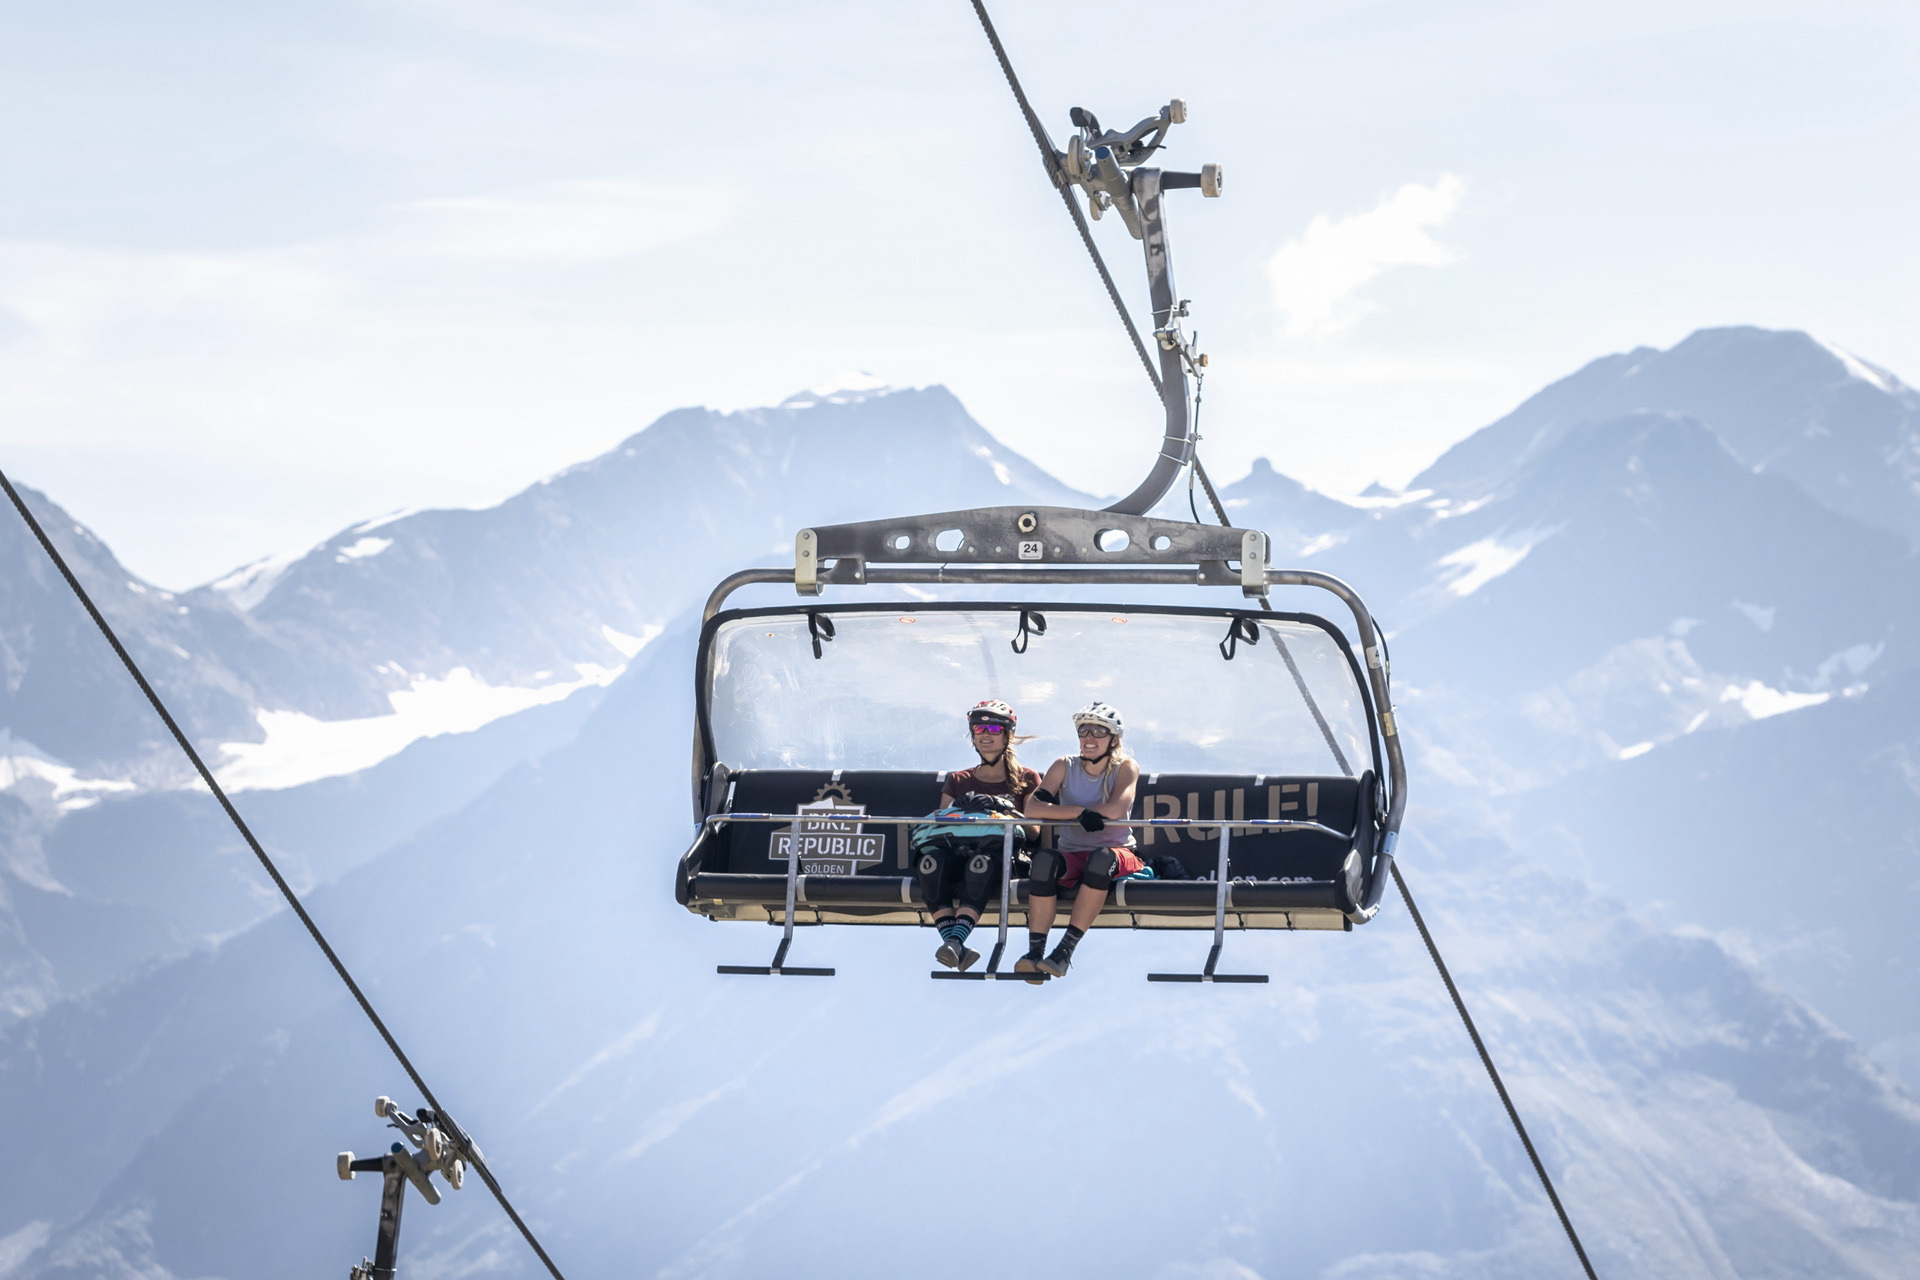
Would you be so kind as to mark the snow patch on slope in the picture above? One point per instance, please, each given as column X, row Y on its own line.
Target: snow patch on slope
column 363, row 549
column 1858, row 368
column 843, row 388
column 1478, row 563
column 300, row 749
column 248, row 585
column 1761, row 702
column 630, row 646
column 70, row 791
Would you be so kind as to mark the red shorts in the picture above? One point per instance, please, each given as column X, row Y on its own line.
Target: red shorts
column 1077, row 862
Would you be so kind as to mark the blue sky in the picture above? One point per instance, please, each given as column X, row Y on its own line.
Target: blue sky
column 265, row 270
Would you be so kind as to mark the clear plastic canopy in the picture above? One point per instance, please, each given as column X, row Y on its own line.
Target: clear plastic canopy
column 892, row 689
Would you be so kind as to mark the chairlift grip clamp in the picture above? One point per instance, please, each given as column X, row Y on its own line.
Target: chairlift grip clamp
column 806, row 562
column 1253, row 563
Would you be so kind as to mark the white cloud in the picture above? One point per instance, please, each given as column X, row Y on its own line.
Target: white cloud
column 569, row 221
column 1316, row 275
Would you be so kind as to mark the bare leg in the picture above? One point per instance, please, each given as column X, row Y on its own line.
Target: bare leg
column 1086, row 907
column 1040, row 912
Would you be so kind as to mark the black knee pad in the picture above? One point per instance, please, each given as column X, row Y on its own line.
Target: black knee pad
column 1101, row 864
column 930, row 873
column 1044, row 880
column 977, row 880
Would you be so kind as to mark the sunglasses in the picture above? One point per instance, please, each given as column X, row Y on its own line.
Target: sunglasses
column 995, row 729
column 1094, row 731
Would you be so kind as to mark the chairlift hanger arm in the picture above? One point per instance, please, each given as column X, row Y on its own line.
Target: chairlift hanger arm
column 1108, row 174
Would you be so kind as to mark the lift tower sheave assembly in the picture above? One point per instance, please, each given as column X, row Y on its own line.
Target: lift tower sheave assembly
column 435, row 1151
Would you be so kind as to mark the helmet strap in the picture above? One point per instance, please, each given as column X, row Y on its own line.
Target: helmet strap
column 986, row 759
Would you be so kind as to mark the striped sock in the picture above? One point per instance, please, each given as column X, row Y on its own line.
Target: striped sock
column 956, row 929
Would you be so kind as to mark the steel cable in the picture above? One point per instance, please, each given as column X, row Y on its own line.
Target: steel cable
column 1493, row 1073
column 479, row 1166
column 1051, row 160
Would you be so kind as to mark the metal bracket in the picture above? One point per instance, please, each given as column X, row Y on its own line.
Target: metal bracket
column 1021, row 536
column 1253, row 563
column 806, row 563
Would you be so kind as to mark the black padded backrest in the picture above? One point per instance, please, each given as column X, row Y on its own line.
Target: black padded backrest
column 1254, row 853
column 845, row 845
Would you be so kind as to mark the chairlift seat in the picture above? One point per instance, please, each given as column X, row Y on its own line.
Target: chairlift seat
column 1279, row 879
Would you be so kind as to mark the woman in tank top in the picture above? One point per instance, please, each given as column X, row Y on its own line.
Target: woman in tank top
column 1092, row 788
column 956, row 897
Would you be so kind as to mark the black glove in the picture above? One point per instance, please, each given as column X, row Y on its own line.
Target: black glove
column 1092, row 821
column 1045, row 796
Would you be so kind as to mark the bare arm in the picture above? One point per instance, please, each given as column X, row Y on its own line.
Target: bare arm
column 1119, row 804
column 1055, row 778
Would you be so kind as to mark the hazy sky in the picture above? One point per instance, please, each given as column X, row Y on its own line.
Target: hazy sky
column 268, row 269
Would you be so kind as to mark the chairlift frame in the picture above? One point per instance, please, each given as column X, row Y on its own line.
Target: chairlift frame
column 1064, row 546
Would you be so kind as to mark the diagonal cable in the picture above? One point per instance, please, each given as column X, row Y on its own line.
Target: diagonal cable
column 1486, row 1060
column 1051, row 160
column 479, row 1166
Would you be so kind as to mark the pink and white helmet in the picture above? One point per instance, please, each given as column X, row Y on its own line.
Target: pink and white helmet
column 992, row 711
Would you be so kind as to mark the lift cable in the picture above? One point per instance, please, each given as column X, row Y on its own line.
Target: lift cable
column 469, row 1153
column 1433, row 949
column 1050, row 159
column 1486, row 1060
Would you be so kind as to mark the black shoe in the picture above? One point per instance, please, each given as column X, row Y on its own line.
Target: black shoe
column 1057, row 963
column 1030, row 967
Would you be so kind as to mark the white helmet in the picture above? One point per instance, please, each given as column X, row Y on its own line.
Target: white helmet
column 1101, row 714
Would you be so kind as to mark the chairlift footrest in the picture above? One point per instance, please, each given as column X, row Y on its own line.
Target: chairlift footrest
column 768, row 971
column 1206, row 977
column 950, row 975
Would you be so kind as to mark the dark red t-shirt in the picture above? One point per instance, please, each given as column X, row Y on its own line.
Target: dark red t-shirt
column 961, row 781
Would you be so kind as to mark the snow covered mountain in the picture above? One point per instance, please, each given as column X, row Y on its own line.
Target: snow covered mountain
column 1658, row 700
column 373, row 656
column 1785, row 403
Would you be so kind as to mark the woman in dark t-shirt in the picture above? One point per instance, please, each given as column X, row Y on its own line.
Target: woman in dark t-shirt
column 956, row 899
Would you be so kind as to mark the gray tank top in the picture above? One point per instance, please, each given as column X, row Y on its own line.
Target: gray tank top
column 1083, row 790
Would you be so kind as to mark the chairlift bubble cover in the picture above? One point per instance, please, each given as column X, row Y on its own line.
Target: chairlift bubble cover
column 864, row 731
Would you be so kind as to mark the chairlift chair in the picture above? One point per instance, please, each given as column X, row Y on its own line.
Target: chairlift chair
column 1270, row 764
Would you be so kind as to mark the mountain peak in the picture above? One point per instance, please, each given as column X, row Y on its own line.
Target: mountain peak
column 1845, row 431
column 850, row 387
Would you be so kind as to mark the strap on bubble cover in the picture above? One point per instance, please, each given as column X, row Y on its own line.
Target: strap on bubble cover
column 1032, row 623
column 820, row 627
column 1237, row 630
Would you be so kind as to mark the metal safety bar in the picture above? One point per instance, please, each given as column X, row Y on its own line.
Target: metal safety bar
column 992, row 972
column 779, row 968
column 1219, row 932
column 1273, row 824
